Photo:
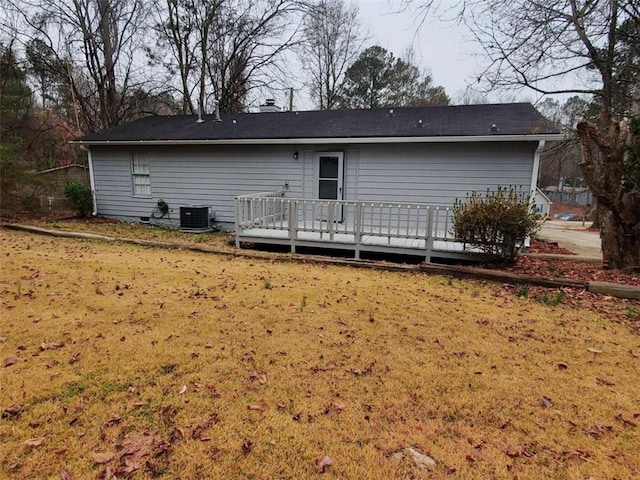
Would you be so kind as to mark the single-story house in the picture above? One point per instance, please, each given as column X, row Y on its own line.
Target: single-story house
column 377, row 179
column 542, row 203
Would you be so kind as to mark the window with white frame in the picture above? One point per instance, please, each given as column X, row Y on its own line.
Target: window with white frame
column 140, row 175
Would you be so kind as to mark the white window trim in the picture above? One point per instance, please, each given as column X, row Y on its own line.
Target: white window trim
column 145, row 173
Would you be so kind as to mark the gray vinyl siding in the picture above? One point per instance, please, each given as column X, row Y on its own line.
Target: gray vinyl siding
column 441, row 173
column 183, row 176
column 213, row 175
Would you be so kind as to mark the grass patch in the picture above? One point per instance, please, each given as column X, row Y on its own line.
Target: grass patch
column 245, row 381
column 551, row 299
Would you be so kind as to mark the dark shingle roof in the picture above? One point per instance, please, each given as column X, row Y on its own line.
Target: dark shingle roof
column 455, row 121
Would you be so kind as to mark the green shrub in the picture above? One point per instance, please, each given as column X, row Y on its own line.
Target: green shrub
column 497, row 223
column 81, row 198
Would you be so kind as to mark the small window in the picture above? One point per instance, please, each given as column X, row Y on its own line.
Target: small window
column 140, row 176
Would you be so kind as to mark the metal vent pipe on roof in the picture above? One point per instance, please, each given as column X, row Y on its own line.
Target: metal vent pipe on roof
column 269, row 106
column 199, row 120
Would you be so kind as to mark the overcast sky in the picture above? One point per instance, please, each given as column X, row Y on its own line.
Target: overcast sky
column 442, row 47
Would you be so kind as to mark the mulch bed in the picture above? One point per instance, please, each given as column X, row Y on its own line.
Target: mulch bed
column 586, row 271
column 543, row 246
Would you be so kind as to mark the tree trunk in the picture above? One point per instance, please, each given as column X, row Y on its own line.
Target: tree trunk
column 620, row 241
column 594, row 215
column 611, row 168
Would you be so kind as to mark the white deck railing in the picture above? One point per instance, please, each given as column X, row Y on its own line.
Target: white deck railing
column 383, row 225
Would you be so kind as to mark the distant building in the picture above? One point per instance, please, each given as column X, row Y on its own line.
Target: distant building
column 569, row 195
column 542, row 203
column 58, row 177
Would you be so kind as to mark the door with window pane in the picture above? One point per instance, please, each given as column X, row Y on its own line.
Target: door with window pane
column 330, row 175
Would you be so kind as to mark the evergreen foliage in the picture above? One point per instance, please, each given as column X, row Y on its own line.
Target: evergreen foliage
column 81, row 198
column 497, row 223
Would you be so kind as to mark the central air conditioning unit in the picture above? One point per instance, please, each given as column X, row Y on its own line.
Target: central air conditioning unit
column 195, row 219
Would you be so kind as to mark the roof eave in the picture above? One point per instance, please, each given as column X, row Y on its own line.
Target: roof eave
column 333, row 140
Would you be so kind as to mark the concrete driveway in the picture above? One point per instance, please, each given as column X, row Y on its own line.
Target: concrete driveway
column 573, row 236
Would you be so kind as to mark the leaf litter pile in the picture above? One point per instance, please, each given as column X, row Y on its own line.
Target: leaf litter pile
column 122, row 361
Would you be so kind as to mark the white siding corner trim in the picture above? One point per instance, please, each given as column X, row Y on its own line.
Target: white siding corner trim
column 536, row 168
column 92, row 181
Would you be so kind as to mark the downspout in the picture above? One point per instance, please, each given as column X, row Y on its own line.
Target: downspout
column 534, row 182
column 536, row 168
column 92, row 180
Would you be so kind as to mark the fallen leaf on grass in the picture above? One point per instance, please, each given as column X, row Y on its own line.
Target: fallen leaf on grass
column 581, row 454
column 75, row 358
column 65, row 475
column 322, row 463
column 598, row 430
column 182, row 390
column 513, row 452
column 10, row 361
column 34, row 442
column 594, row 350
column 604, row 382
column 562, row 366
column 197, row 431
column 102, row 457
column 546, row 401
column 470, row 458
column 12, row 411
column 50, row 346
column 256, row 408
column 114, row 419
column 629, row 423
column 138, row 447
column 422, row 461
column 246, row 446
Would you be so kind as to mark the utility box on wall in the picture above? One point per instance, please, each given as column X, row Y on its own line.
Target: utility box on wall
column 195, row 219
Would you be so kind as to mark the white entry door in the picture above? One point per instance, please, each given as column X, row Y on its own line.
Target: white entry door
column 330, row 175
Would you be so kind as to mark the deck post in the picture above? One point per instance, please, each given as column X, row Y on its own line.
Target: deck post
column 236, row 204
column 330, row 222
column 358, row 229
column 293, row 223
column 429, row 234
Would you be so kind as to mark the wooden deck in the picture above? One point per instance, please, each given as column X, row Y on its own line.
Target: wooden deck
column 400, row 228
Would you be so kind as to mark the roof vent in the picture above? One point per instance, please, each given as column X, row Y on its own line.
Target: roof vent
column 420, row 124
column 391, row 112
column 494, row 128
column 269, row 106
column 217, row 110
column 200, row 120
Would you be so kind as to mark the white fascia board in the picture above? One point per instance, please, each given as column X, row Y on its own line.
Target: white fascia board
column 344, row 140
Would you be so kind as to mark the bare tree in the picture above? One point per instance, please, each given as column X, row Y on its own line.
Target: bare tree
column 332, row 39
column 589, row 47
column 245, row 51
column 541, row 45
column 223, row 49
column 95, row 42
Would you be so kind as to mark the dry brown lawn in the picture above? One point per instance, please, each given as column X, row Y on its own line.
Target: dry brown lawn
column 135, row 362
